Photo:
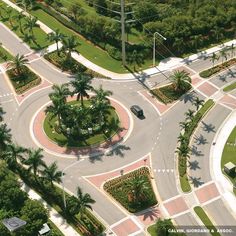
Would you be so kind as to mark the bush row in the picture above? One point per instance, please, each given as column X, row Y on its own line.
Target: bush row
column 209, row 72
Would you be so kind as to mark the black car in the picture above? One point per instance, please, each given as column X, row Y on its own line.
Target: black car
column 136, row 110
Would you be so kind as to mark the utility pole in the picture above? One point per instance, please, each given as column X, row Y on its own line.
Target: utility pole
column 122, row 20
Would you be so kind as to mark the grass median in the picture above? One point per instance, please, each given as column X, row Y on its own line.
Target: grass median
column 206, row 221
column 182, row 162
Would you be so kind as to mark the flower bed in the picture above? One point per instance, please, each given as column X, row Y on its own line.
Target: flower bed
column 25, row 81
column 119, row 190
column 167, row 94
column 217, row 68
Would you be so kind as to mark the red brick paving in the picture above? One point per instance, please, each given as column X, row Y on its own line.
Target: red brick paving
column 44, row 84
column 125, row 228
column 196, row 80
column 32, row 56
column 207, row 88
column 150, row 216
column 228, row 101
column 48, row 144
column 207, row 193
column 176, row 206
column 98, row 180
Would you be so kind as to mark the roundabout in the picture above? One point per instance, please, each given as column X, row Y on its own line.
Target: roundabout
column 41, row 139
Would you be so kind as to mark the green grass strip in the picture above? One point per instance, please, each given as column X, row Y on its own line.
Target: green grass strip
column 5, row 55
column 230, row 87
column 206, row 221
column 184, row 182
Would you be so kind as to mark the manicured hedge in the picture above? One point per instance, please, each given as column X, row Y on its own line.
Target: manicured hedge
column 209, row 72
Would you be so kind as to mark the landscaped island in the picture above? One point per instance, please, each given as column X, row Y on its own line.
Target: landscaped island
column 133, row 190
column 80, row 123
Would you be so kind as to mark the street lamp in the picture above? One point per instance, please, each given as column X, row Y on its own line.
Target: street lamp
column 154, row 46
column 63, row 188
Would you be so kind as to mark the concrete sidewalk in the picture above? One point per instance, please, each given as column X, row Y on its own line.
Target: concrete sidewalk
column 226, row 186
column 54, row 216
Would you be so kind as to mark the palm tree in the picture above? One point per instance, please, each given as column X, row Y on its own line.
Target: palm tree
column 183, row 151
column 180, row 80
column 85, row 201
column 1, row 114
column 218, row 32
column 56, row 37
column 60, row 92
column 184, row 125
column 69, row 45
column 102, row 95
column 9, row 12
column 163, row 227
column 17, row 63
column 5, row 137
column 136, row 59
column 14, row 153
column 74, row 10
column 137, row 188
column 189, row 115
column 214, row 58
column 232, row 48
column 196, row 40
column 57, row 109
column 35, row 160
column 19, row 18
column 51, row 173
column 81, row 84
column 31, row 22
column 223, row 54
column 198, row 103
column 182, row 139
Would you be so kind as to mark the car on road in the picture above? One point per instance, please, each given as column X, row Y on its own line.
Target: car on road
column 137, row 110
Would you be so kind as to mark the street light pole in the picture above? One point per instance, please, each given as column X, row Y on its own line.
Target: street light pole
column 154, row 46
column 63, row 189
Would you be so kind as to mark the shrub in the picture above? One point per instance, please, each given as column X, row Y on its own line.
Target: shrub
column 209, row 72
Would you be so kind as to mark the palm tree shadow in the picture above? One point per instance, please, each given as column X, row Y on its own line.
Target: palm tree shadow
column 222, row 78
column 152, row 214
column 189, row 97
column 200, row 140
column 95, row 157
column 193, row 165
column 195, row 152
column 118, row 150
column 208, row 127
column 196, row 181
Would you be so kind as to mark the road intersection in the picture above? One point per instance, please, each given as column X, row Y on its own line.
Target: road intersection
column 153, row 139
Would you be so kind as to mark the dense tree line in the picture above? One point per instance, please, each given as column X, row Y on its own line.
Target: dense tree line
column 188, row 25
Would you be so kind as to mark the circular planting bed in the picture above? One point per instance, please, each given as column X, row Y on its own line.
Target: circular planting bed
column 87, row 137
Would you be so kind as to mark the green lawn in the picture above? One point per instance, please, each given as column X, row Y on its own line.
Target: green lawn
column 85, row 140
column 13, row 24
column 230, row 87
column 206, row 221
column 184, row 183
column 152, row 230
column 4, row 55
column 119, row 189
column 54, row 231
column 229, row 153
column 87, row 49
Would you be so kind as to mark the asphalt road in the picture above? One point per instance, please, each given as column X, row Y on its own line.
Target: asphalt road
column 155, row 135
